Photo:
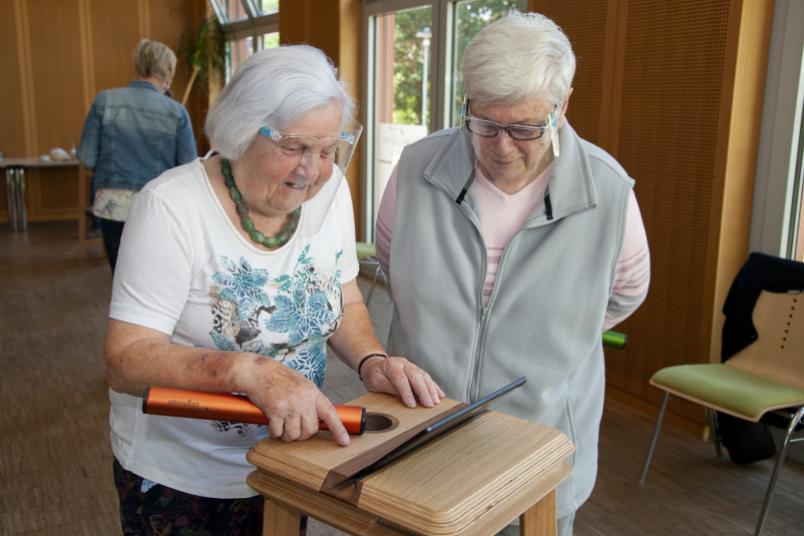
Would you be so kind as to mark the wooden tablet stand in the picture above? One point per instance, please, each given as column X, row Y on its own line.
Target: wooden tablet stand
column 475, row 479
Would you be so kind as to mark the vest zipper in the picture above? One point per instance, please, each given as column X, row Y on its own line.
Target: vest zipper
column 474, row 390
column 474, row 379
column 473, row 383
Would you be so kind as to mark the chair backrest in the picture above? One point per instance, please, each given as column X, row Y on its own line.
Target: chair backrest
column 778, row 352
column 759, row 272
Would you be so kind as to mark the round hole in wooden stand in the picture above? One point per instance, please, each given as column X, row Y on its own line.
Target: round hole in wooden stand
column 380, row 422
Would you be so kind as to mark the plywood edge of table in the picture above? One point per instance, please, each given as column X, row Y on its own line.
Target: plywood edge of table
column 497, row 516
column 348, row 518
column 430, row 493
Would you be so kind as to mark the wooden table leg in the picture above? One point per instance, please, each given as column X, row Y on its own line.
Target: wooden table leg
column 84, row 180
column 280, row 520
column 540, row 519
column 11, row 197
column 83, row 196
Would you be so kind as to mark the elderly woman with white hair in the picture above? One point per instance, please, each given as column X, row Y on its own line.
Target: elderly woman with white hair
column 235, row 271
column 511, row 243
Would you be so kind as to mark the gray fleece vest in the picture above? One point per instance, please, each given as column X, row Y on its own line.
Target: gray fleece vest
column 545, row 315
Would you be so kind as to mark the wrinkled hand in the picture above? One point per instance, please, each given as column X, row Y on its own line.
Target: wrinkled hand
column 292, row 403
column 399, row 377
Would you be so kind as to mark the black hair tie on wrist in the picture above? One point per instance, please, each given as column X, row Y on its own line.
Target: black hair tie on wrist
column 366, row 358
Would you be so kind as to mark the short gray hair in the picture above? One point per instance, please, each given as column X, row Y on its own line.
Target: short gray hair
column 154, row 59
column 273, row 88
column 520, row 56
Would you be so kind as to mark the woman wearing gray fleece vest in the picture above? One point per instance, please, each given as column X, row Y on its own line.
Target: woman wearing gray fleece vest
column 539, row 309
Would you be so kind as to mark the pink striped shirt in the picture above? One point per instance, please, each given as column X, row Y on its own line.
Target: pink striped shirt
column 502, row 215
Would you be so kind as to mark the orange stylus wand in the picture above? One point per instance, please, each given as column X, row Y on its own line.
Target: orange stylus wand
column 227, row 407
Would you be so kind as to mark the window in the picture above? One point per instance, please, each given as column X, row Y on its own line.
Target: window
column 268, row 7
column 795, row 242
column 414, row 83
column 237, row 50
column 229, row 11
column 777, row 225
column 248, row 26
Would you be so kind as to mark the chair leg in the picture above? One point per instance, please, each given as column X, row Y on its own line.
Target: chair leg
column 373, row 284
column 656, row 429
column 713, row 424
column 386, row 282
column 779, row 462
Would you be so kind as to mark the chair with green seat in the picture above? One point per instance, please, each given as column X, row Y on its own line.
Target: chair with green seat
column 764, row 377
column 367, row 255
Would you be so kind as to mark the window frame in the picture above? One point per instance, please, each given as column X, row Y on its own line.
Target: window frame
column 779, row 181
column 441, row 79
column 255, row 25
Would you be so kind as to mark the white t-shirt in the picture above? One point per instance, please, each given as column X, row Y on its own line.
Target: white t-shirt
column 185, row 270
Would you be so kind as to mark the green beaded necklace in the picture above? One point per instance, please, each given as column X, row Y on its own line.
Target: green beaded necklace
column 270, row 242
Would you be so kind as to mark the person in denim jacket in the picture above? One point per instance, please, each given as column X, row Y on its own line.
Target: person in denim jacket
column 131, row 135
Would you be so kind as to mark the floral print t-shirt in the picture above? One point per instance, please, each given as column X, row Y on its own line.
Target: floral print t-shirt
column 184, row 269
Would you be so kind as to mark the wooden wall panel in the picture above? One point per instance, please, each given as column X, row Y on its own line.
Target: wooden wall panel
column 586, row 25
column 114, row 32
column 52, row 194
column 168, row 20
column 12, row 127
column 57, row 99
column 334, row 28
column 56, row 73
column 349, row 66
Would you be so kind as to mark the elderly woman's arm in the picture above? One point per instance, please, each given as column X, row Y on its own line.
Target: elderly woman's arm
column 137, row 357
column 355, row 339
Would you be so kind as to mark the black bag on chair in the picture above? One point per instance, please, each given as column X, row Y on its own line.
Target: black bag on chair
column 748, row 441
column 745, row 441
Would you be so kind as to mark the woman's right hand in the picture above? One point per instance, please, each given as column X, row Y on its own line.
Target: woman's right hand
column 293, row 404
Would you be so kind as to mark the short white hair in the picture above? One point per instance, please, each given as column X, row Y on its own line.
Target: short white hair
column 518, row 57
column 273, row 88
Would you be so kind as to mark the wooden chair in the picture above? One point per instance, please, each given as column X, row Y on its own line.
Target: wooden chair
column 367, row 255
column 765, row 376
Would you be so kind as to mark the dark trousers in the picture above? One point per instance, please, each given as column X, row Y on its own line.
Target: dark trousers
column 149, row 509
column 112, row 231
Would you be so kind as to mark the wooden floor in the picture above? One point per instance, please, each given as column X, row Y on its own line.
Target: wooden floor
column 55, row 459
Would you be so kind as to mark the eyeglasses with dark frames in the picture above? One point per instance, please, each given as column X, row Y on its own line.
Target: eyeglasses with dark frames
column 486, row 128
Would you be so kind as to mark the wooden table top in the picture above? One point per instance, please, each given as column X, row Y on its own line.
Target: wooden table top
column 33, row 162
column 443, row 486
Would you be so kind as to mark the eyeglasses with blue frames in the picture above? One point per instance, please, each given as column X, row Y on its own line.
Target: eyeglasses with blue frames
column 336, row 149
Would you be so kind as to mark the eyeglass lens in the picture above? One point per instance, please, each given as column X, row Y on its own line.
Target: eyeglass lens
column 489, row 129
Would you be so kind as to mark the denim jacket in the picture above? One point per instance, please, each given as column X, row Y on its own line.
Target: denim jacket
column 132, row 134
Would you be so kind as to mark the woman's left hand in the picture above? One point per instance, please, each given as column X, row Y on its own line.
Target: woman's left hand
column 399, row 377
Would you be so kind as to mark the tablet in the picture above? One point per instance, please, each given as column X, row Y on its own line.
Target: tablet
column 438, row 428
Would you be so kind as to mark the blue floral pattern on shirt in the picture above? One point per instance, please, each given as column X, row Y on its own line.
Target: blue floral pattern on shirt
column 287, row 318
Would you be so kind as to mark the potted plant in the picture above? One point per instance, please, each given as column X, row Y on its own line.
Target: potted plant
column 204, row 53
